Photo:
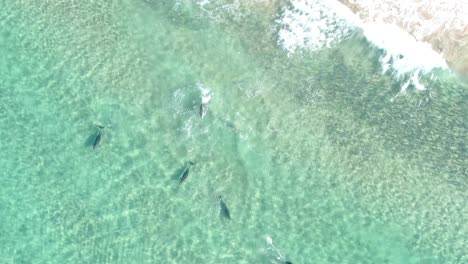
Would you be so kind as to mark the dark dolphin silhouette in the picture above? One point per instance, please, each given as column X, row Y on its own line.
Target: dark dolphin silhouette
column 224, row 209
column 185, row 174
column 97, row 139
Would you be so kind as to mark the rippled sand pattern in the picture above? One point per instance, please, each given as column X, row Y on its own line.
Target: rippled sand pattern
column 308, row 149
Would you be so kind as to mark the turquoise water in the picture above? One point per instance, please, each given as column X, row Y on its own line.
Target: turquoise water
column 308, row 149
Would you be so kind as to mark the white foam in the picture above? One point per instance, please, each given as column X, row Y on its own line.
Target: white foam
column 422, row 17
column 407, row 57
column 206, row 94
column 312, row 24
column 273, row 250
column 402, row 51
column 319, row 24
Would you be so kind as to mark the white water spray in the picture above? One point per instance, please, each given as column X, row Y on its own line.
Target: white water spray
column 318, row 24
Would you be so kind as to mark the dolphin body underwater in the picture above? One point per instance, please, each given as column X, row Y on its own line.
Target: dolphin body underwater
column 205, row 99
column 224, row 209
column 203, row 109
column 185, row 174
column 97, row 139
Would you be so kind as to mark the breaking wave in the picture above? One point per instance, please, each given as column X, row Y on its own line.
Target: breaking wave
column 318, row 24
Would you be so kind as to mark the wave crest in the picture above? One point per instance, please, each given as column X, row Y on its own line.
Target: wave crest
column 313, row 25
column 320, row 24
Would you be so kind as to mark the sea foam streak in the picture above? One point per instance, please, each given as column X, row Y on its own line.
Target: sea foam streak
column 313, row 24
column 206, row 94
column 318, row 24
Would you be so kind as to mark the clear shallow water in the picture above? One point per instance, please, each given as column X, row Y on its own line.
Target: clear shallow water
column 311, row 149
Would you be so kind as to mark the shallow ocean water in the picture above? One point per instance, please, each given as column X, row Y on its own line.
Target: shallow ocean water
column 316, row 149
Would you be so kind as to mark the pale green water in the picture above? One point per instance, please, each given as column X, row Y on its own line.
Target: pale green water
column 307, row 149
